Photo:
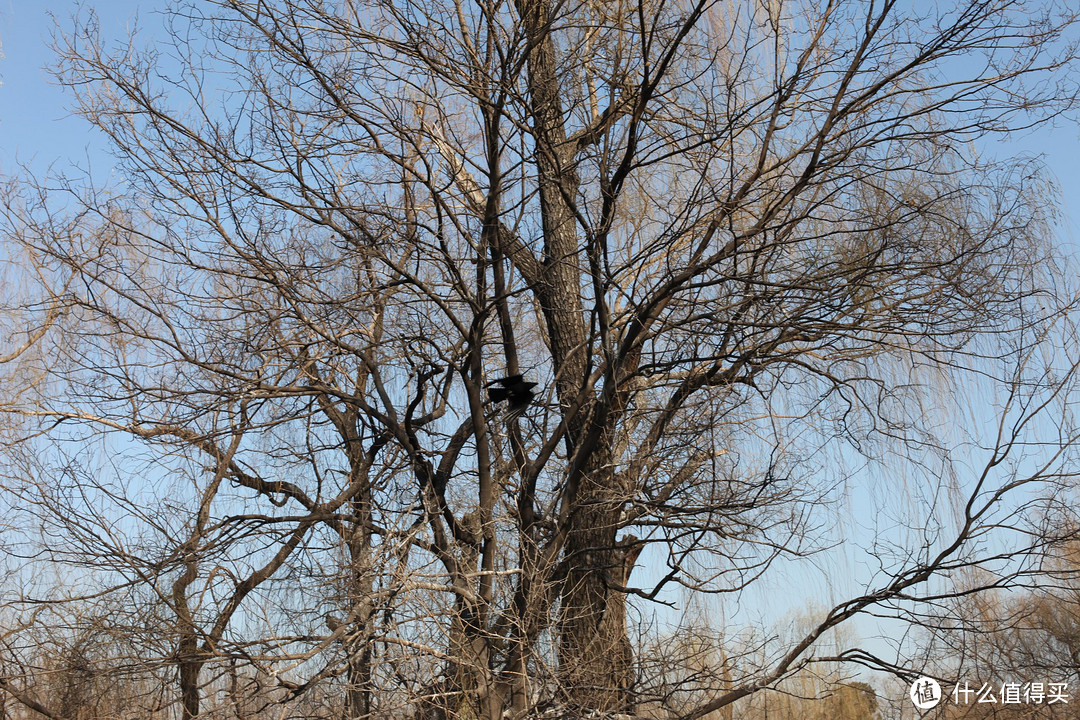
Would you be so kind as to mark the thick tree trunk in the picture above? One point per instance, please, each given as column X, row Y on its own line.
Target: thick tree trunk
column 358, row 698
column 188, row 662
column 560, row 293
column 596, row 658
column 189, row 668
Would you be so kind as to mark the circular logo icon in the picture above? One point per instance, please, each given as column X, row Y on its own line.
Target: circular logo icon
column 925, row 693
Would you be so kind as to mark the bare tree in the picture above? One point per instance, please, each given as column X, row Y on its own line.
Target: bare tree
column 292, row 347
column 1026, row 638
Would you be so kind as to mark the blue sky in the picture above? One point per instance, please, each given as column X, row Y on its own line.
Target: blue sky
column 36, row 126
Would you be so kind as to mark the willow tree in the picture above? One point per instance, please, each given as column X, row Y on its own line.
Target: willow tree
column 724, row 239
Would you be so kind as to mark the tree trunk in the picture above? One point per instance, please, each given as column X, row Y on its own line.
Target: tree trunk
column 596, row 659
column 189, row 668
column 361, row 580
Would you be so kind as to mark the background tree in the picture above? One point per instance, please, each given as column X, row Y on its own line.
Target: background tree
column 737, row 246
column 1021, row 637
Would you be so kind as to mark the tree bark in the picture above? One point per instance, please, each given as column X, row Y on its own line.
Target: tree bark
column 595, row 656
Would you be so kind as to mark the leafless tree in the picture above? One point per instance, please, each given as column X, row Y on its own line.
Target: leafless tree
column 1026, row 638
column 737, row 247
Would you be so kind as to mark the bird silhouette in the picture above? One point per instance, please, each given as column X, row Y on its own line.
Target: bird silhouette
column 516, row 390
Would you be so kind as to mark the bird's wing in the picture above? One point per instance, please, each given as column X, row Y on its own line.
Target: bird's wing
column 521, row 399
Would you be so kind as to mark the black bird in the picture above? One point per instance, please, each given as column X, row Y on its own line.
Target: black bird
column 516, row 390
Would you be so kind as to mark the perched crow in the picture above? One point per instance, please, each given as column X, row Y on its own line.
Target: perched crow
column 516, row 390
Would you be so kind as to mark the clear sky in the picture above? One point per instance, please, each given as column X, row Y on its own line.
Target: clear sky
column 35, row 125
